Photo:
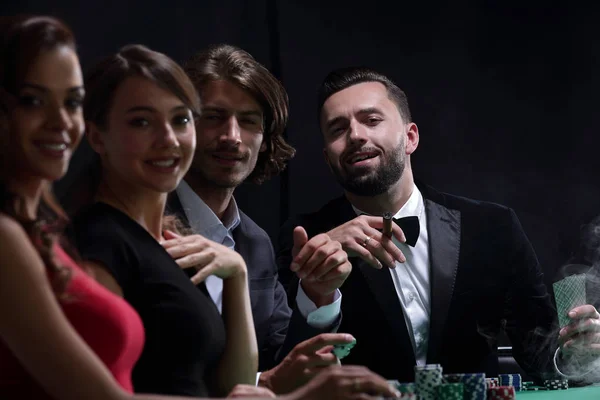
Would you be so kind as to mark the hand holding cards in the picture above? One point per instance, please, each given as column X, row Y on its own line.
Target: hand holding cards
column 569, row 293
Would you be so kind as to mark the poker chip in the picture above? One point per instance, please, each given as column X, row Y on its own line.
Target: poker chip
column 474, row 384
column 429, row 366
column 450, row 391
column 427, row 379
column 342, row 350
column 501, row 393
column 513, row 380
column 556, row 384
column 452, row 378
column 491, row 382
column 534, row 388
column 406, row 387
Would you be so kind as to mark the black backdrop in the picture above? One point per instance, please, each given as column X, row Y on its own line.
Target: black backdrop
column 504, row 93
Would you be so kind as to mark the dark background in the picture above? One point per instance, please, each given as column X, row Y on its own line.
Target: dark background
column 504, row 93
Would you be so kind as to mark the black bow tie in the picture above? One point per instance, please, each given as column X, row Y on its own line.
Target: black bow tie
column 410, row 226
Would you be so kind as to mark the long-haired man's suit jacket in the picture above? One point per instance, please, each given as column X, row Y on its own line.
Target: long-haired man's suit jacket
column 278, row 326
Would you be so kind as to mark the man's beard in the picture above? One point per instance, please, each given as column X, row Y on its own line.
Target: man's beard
column 375, row 182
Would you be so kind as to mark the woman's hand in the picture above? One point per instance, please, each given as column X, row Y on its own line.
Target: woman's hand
column 208, row 257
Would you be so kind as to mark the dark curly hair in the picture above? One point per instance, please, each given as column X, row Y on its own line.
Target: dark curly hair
column 22, row 39
column 230, row 63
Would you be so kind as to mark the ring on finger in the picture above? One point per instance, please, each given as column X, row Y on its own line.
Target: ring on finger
column 366, row 242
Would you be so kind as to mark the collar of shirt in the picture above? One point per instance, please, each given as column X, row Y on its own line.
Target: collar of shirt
column 413, row 207
column 203, row 220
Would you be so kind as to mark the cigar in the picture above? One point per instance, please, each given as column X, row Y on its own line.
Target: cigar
column 387, row 224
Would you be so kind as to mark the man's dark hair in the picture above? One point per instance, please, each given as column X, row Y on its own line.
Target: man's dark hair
column 230, row 63
column 340, row 79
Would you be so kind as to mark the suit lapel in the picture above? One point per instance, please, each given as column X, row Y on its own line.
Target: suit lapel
column 240, row 245
column 174, row 207
column 443, row 228
column 381, row 284
column 382, row 287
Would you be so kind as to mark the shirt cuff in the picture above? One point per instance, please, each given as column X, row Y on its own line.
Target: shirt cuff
column 257, row 378
column 321, row 317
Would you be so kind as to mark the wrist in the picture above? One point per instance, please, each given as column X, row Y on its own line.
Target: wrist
column 241, row 273
column 264, row 380
column 316, row 296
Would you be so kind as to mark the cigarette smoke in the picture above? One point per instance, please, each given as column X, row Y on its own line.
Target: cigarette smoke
column 580, row 361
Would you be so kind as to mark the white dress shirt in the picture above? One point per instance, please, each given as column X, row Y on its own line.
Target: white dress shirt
column 205, row 222
column 411, row 279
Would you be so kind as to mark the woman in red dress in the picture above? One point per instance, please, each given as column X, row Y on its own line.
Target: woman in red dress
column 57, row 325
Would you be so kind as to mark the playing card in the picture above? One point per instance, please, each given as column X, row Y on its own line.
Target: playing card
column 569, row 293
column 342, row 350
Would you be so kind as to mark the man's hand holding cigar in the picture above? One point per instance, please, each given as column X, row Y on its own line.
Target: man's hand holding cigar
column 370, row 238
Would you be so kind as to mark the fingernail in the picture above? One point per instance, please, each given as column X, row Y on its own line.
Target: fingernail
column 397, row 393
column 379, row 266
column 294, row 267
column 572, row 314
column 562, row 331
column 349, row 337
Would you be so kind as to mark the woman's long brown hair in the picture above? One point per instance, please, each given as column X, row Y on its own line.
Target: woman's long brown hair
column 22, row 39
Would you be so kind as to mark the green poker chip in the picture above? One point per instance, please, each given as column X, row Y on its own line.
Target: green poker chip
column 342, row 350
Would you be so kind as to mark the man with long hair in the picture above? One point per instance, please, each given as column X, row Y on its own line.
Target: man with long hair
column 239, row 138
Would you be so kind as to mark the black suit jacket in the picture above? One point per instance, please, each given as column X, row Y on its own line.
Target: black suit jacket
column 278, row 326
column 484, row 276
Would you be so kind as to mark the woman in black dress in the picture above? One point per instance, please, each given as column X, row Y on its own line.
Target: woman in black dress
column 139, row 111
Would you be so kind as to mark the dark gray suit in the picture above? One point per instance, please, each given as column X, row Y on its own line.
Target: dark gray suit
column 278, row 327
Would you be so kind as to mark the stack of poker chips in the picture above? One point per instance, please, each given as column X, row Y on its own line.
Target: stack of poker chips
column 474, row 384
column 492, row 382
column 450, row 391
column 530, row 386
column 513, row 380
column 501, row 393
column 556, row 384
column 427, row 379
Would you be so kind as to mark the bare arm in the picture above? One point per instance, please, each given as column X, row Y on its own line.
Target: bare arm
column 239, row 363
column 32, row 322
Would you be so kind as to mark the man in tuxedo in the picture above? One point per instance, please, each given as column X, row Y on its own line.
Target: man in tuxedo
column 439, row 289
column 239, row 138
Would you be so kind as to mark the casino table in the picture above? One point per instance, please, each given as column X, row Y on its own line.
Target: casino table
column 582, row 393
